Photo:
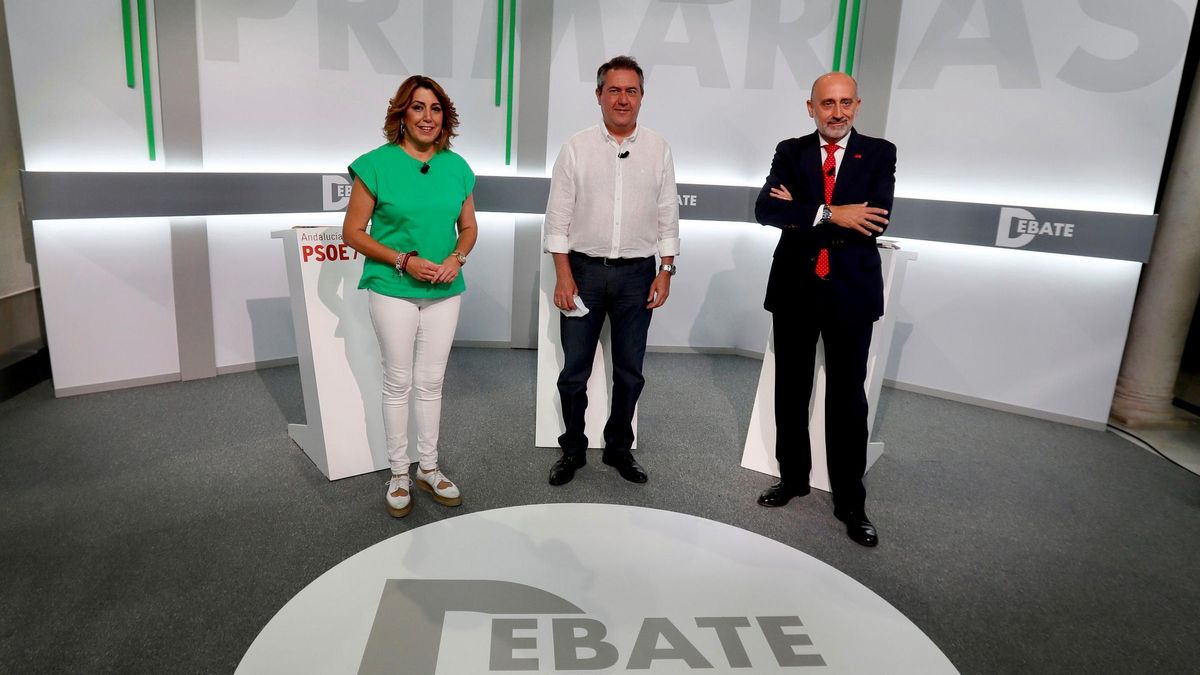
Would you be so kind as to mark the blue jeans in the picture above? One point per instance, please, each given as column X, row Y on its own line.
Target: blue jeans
column 615, row 289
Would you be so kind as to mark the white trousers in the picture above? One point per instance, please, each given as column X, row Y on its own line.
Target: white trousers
column 415, row 336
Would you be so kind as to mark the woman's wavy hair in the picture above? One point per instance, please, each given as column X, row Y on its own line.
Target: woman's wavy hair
column 393, row 123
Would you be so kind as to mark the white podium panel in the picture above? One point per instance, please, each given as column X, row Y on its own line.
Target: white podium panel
column 548, row 422
column 340, row 371
column 759, row 451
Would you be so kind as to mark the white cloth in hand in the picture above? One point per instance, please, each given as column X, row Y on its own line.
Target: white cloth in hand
column 580, row 308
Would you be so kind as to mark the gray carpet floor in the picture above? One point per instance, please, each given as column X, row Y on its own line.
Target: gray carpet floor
column 157, row 530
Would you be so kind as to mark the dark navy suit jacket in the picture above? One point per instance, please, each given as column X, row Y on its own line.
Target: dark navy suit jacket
column 867, row 174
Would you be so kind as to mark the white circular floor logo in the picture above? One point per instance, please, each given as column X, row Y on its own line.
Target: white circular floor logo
column 576, row 642
column 587, row 588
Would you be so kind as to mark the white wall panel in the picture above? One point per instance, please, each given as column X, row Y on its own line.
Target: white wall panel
column 108, row 298
column 486, row 313
column 269, row 81
column 75, row 109
column 1023, row 124
column 252, row 316
column 1034, row 330
column 1063, row 105
column 716, row 298
column 723, row 105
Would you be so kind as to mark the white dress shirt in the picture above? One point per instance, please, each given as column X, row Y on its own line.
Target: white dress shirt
column 608, row 207
column 837, row 159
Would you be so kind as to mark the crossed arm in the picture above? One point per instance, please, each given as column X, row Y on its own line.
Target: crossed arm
column 776, row 205
column 862, row 218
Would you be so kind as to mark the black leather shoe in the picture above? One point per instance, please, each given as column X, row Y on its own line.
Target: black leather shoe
column 564, row 469
column 781, row 493
column 859, row 528
column 627, row 466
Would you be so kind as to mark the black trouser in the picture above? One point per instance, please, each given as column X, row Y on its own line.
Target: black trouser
column 615, row 289
column 846, row 346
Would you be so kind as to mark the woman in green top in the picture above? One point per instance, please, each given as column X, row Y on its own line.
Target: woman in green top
column 416, row 196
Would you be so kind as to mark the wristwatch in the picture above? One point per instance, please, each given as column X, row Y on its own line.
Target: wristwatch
column 668, row 268
column 826, row 213
column 460, row 257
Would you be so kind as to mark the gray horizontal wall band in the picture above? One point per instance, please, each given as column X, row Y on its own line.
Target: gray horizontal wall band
column 1119, row 236
column 56, row 195
column 52, row 195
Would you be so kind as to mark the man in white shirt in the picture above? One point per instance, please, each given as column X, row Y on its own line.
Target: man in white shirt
column 613, row 205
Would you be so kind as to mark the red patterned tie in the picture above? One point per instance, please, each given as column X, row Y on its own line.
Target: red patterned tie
column 828, row 169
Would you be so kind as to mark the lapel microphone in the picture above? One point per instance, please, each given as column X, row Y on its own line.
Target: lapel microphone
column 623, row 155
column 425, row 167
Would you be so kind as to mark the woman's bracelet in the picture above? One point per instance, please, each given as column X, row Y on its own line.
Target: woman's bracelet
column 402, row 262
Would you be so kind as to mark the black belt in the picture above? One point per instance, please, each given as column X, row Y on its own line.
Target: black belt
column 609, row 262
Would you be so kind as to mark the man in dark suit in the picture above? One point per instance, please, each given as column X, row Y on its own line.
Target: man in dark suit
column 830, row 192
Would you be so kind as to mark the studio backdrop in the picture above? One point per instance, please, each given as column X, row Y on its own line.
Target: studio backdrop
column 165, row 141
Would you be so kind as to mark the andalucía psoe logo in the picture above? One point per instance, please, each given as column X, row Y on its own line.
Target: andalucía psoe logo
column 335, row 192
column 1026, row 226
column 408, row 631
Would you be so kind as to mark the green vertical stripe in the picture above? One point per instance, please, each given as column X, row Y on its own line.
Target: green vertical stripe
column 837, row 39
column 853, row 38
column 499, row 47
column 512, row 46
column 144, row 44
column 127, row 30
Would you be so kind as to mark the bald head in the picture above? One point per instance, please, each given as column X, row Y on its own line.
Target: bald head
column 831, row 78
column 833, row 103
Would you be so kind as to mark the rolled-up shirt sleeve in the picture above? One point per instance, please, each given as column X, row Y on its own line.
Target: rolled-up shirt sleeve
column 560, row 206
column 668, row 208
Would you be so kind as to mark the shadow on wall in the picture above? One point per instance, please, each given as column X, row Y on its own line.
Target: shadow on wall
column 273, row 339
column 483, row 317
column 731, row 313
column 741, row 288
column 900, row 334
column 273, row 335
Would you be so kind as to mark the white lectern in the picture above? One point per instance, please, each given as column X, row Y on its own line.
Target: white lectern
column 759, row 451
column 340, row 371
column 548, row 422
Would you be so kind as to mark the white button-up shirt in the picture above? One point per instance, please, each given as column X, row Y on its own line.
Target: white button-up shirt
column 608, row 207
column 837, row 158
